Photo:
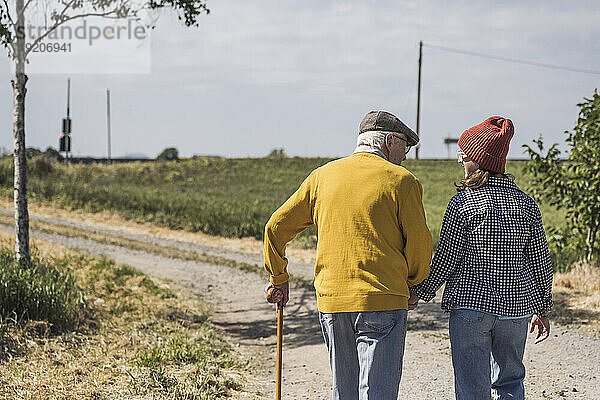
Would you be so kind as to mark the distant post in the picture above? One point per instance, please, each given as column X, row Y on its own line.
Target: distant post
column 65, row 139
column 419, row 100
column 449, row 141
column 108, row 120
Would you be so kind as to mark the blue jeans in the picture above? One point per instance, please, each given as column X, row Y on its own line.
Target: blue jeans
column 365, row 353
column 487, row 355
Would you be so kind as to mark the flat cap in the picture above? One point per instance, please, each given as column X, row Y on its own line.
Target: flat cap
column 388, row 122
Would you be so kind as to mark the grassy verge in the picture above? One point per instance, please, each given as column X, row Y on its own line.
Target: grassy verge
column 577, row 297
column 39, row 290
column 139, row 338
column 150, row 248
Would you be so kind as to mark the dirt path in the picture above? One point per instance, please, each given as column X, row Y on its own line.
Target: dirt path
column 565, row 366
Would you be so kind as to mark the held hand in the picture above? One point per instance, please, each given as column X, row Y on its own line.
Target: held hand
column 280, row 296
column 413, row 302
column 543, row 328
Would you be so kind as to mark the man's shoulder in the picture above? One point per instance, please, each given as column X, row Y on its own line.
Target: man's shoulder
column 334, row 163
column 328, row 167
column 370, row 164
column 404, row 173
column 402, row 176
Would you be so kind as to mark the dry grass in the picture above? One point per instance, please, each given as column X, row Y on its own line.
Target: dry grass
column 582, row 277
column 141, row 339
column 577, row 297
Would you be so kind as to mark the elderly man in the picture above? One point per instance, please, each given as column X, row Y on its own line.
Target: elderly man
column 373, row 245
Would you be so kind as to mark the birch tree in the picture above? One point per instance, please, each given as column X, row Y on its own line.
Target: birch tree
column 13, row 38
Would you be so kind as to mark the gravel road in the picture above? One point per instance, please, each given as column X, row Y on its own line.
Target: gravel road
column 567, row 365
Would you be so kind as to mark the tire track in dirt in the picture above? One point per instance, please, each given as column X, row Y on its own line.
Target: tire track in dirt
column 565, row 366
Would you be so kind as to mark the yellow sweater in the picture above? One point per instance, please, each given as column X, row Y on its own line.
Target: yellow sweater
column 373, row 242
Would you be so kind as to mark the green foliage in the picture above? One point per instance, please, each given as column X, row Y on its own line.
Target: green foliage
column 42, row 166
column 574, row 184
column 168, row 154
column 566, row 247
column 277, row 153
column 204, row 352
column 31, row 152
column 6, row 31
column 6, row 172
column 38, row 290
column 122, row 272
column 114, row 276
column 52, row 153
column 187, row 10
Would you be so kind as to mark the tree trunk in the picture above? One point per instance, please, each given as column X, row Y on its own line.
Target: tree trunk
column 591, row 242
column 20, row 157
column 20, row 194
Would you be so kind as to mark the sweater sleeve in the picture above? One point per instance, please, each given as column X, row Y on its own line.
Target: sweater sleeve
column 448, row 255
column 290, row 219
column 539, row 258
column 418, row 244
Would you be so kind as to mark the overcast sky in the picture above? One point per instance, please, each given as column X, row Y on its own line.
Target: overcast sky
column 300, row 75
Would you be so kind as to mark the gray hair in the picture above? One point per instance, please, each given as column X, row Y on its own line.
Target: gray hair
column 371, row 142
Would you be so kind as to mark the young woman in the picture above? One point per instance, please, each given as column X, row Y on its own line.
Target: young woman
column 494, row 259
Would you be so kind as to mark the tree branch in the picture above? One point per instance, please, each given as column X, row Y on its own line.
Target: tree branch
column 25, row 6
column 12, row 22
column 8, row 13
column 67, row 6
column 61, row 22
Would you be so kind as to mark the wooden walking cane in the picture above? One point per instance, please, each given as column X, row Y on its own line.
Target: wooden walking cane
column 272, row 295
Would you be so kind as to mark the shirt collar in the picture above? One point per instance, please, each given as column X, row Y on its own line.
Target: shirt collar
column 501, row 181
column 369, row 149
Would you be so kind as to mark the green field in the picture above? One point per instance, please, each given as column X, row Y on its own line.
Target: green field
column 227, row 197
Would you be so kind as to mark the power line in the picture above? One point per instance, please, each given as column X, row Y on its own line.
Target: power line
column 513, row 60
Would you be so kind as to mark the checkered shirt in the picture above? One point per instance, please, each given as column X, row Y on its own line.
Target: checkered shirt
column 492, row 253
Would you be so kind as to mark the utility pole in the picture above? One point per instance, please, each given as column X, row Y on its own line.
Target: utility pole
column 68, row 97
column 108, row 120
column 419, row 100
column 64, row 142
column 68, row 148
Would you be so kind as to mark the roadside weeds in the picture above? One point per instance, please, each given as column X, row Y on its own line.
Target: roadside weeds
column 141, row 338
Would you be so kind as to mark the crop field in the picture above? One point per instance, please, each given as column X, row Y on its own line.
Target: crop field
column 218, row 196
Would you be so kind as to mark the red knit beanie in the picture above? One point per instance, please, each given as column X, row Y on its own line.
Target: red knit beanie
column 487, row 143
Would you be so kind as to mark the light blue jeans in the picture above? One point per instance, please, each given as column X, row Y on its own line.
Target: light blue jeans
column 487, row 355
column 365, row 353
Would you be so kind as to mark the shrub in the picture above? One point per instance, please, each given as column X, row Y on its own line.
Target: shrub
column 573, row 185
column 39, row 290
column 31, row 152
column 566, row 246
column 42, row 166
column 168, row 154
column 277, row 153
column 53, row 154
